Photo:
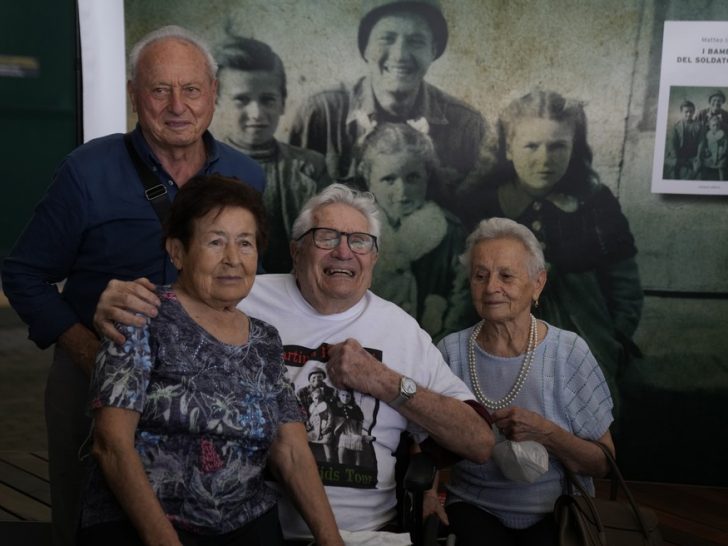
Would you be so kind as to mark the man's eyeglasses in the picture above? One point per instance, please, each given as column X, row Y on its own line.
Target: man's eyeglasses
column 328, row 239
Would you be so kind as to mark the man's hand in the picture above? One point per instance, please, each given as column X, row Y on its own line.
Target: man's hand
column 351, row 367
column 577, row 454
column 120, row 302
column 431, row 505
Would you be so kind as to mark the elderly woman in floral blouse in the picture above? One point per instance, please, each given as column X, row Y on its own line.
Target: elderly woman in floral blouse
column 188, row 412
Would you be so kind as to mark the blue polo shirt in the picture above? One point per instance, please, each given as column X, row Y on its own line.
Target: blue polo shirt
column 94, row 224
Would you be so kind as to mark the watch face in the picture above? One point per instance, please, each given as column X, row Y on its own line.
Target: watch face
column 409, row 387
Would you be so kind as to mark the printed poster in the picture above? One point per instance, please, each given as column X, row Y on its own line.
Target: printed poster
column 691, row 140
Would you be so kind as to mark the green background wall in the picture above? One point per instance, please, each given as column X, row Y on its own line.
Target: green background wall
column 37, row 113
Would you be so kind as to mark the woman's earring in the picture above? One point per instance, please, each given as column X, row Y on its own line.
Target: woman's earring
column 535, row 303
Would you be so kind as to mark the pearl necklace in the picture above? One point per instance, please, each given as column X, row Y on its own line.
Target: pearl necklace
column 520, row 379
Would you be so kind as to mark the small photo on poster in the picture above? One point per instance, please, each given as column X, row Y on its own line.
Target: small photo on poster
column 696, row 142
column 691, row 144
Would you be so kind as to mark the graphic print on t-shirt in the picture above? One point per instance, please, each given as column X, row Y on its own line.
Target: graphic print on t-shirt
column 339, row 421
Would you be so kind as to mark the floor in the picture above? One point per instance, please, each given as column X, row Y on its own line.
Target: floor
column 23, row 369
column 688, row 515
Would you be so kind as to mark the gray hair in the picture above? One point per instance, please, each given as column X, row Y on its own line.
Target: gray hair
column 504, row 228
column 171, row 32
column 364, row 202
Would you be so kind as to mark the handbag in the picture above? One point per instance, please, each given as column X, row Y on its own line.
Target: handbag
column 585, row 521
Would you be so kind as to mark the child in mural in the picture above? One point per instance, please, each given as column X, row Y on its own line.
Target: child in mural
column 547, row 183
column 251, row 96
column 712, row 157
column 348, row 428
column 421, row 240
column 684, row 140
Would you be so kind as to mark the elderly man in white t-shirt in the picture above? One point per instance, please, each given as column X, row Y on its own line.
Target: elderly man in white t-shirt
column 328, row 318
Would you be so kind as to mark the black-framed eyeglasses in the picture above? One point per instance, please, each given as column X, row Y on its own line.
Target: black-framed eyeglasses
column 328, row 239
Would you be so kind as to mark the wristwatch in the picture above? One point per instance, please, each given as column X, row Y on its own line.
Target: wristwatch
column 407, row 389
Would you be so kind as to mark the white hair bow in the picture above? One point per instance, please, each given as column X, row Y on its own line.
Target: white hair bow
column 368, row 124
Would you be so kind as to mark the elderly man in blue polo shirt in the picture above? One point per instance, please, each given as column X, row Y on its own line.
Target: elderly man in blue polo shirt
column 96, row 223
column 398, row 40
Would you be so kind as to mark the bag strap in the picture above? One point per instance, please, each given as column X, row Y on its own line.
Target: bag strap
column 154, row 190
column 616, row 481
column 574, row 483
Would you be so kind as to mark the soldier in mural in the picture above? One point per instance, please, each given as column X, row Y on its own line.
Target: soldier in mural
column 250, row 100
column 418, row 258
column 547, row 183
column 398, row 41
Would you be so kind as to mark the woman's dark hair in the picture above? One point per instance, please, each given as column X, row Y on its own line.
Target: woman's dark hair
column 248, row 54
column 208, row 192
column 551, row 105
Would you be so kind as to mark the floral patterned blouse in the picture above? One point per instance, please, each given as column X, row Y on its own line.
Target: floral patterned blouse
column 209, row 413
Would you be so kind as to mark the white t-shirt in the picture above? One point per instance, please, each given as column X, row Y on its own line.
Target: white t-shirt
column 359, row 482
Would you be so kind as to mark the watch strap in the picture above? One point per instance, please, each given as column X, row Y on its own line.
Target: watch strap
column 403, row 395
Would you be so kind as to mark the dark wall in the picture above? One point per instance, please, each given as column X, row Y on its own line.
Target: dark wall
column 37, row 108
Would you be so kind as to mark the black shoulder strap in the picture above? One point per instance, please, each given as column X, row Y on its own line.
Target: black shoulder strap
column 154, row 190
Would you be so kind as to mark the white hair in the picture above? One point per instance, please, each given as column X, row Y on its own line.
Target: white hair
column 364, row 202
column 504, row 228
column 173, row 32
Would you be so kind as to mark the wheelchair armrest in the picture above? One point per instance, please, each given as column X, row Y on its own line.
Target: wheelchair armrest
column 418, row 478
column 420, row 473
